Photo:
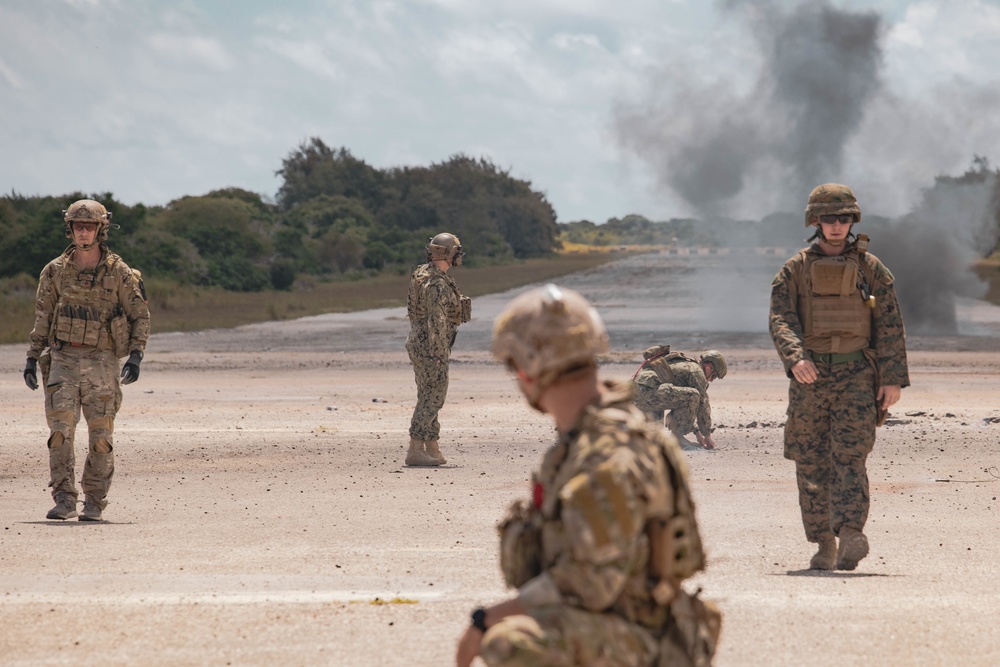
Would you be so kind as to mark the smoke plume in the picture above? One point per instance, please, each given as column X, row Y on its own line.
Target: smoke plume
column 815, row 108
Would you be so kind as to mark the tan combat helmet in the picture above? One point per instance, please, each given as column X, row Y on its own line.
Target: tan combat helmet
column 548, row 332
column 718, row 362
column 445, row 247
column 88, row 210
column 831, row 199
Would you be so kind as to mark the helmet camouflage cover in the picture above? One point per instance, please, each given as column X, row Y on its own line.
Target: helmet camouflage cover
column 718, row 362
column 88, row 210
column 548, row 331
column 831, row 199
column 446, row 247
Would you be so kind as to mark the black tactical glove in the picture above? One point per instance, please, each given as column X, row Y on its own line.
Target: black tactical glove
column 130, row 371
column 31, row 373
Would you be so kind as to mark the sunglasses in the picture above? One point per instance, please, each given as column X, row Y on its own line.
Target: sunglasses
column 842, row 218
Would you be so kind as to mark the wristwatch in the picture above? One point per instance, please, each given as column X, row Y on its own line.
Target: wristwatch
column 479, row 619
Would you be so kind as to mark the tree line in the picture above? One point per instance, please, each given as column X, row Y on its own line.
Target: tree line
column 334, row 216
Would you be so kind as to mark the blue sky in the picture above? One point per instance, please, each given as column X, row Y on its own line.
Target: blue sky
column 156, row 100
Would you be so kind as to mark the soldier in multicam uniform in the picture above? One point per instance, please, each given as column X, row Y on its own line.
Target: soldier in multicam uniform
column 599, row 553
column 435, row 308
column 673, row 381
column 836, row 324
column 90, row 312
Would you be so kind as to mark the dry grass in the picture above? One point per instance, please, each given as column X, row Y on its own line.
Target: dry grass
column 177, row 308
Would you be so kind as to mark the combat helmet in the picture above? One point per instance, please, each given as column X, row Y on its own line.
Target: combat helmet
column 831, row 199
column 445, row 247
column 547, row 333
column 88, row 210
column 718, row 362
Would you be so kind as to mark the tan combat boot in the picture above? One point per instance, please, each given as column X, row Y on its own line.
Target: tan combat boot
column 853, row 547
column 434, row 452
column 826, row 555
column 92, row 508
column 65, row 507
column 416, row 456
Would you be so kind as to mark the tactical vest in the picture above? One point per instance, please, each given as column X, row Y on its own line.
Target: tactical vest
column 661, row 366
column 459, row 312
column 88, row 311
column 831, row 305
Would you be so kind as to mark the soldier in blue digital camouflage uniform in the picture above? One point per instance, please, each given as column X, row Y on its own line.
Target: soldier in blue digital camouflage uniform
column 599, row 553
column 435, row 308
column 836, row 324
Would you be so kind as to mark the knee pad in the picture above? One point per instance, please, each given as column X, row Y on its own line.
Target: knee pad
column 102, row 446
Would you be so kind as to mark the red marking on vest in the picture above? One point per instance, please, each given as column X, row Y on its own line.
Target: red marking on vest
column 538, row 495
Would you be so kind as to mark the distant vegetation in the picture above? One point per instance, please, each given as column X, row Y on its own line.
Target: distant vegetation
column 341, row 235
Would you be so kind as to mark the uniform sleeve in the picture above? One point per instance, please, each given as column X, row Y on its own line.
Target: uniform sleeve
column 437, row 301
column 136, row 310
column 603, row 513
column 46, row 299
column 784, row 324
column 888, row 333
column 704, row 415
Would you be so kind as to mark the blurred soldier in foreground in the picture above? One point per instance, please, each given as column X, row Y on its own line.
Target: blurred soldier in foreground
column 599, row 552
column 672, row 381
column 435, row 308
column 837, row 327
column 90, row 312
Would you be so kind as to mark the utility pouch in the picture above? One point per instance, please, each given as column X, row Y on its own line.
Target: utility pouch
column 120, row 335
column 466, row 309
column 520, row 546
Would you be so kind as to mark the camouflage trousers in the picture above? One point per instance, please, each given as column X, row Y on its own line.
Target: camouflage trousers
column 560, row 635
column 82, row 379
column 432, row 388
column 829, row 433
column 682, row 402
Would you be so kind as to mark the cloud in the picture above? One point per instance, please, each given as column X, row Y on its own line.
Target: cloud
column 9, row 75
column 191, row 49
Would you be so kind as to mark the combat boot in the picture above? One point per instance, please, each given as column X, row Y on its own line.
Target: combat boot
column 826, row 555
column 853, row 547
column 416, row 456
column 65, row 507
column 92, row 508
column 434, row 452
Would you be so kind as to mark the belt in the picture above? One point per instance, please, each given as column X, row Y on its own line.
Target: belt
column 837, row 357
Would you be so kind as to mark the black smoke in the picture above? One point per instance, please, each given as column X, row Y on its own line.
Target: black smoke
column 813, row 107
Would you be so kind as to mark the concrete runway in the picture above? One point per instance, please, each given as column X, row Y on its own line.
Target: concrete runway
column 261, row 514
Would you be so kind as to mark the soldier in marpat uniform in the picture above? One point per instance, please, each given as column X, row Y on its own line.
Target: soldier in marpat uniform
column 836, row 324
column 435, row 308
column 599, row 552
column 674, row 381
column 90, row 312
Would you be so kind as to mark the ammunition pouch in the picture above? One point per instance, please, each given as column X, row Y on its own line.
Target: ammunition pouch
column 81, row 325
column 520, row 545
column 465, row 309
column 693, row 636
